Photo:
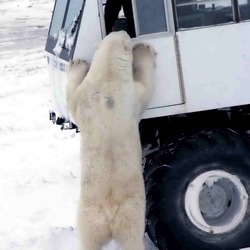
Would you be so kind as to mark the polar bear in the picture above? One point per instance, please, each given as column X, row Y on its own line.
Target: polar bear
column 106, row 102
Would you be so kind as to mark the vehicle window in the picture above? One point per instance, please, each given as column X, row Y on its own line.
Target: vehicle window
column 57, row 20
column 195, row 13
column 64, row 26
column 244, row 8
column 151, row 16
column 73, row 11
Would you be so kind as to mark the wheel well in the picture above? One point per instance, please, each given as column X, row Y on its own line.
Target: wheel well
column 158, row 131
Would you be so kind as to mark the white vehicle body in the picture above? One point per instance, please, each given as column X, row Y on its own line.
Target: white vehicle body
column 198, row 68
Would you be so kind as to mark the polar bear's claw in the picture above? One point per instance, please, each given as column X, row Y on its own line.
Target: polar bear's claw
column 78, row 64
column 143, row 51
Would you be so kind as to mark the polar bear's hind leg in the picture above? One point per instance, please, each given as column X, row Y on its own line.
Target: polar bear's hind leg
column 129, row 224
column 93, row 227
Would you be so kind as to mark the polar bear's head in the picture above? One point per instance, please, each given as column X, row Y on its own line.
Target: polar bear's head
column 114, row 54
column 117, row 40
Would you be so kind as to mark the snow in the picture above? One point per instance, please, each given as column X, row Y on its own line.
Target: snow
column 70, row 40
column 60, row 42
column 39, row 174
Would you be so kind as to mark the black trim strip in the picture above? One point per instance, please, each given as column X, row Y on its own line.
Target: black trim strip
column 236, row 11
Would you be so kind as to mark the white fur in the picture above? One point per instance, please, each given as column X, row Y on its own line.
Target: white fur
column 107, row 103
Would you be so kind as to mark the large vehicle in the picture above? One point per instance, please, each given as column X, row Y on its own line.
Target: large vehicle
column 194, row 133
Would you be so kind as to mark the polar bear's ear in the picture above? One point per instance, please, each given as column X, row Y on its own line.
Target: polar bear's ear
column 127, row 46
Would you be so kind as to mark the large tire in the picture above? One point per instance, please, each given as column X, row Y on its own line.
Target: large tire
column 171, row 171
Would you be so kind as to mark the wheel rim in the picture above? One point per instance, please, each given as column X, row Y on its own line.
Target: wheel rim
column 216, row 202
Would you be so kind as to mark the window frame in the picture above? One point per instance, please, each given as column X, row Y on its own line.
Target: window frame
column 193, row 3
column 51, row 41
column 101, row 7
column 241, row 20
column 235, row 12
column 169, row 18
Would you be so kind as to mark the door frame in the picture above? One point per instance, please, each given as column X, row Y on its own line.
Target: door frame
column 171, row 32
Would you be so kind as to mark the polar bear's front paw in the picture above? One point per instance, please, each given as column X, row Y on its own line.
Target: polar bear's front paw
column 143, row 51
column 78, row 66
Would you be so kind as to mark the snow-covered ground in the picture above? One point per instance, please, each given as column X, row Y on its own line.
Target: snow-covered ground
column 39, row 170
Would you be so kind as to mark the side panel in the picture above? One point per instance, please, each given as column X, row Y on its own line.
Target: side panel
column 58, row 80
column 216, row 66
column 88, row 36
column 167, row 82
column 160, row 34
